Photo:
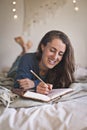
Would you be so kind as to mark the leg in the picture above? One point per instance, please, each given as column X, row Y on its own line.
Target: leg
column 25, row 47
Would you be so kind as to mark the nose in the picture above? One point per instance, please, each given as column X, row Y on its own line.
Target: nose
column 56, row 56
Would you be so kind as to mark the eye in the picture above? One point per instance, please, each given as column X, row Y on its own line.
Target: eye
column 61, row 53
column 52, row 50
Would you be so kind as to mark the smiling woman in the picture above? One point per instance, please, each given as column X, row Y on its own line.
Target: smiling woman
column 53, row 53
column 53, row 62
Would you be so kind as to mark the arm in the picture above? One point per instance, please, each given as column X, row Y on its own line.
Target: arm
column 25, row 79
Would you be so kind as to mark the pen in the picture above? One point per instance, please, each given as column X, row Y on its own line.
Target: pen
column 37, row 76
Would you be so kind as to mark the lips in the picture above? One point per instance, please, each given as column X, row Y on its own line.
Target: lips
column 52, row 62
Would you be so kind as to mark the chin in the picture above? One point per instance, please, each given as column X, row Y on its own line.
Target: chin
column 50, row 67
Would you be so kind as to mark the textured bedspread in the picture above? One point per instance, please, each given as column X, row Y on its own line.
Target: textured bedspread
column 67, row 113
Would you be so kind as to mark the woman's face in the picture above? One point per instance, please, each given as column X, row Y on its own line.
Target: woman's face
column 52, row 53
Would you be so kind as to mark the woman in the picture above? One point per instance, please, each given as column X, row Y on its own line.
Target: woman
column 53, row 63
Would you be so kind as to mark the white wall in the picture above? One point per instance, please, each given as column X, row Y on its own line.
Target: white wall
column 66, row 19
column 9, row 28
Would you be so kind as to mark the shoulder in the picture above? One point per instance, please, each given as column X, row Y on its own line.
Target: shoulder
column 29, row 56
column 29, row 59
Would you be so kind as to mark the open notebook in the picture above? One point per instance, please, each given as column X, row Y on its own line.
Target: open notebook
column 54, row 93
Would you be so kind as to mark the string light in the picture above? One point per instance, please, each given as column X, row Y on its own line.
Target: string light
column 15, row 16
column 76, row 8
column 14, row 2
column 14, row 10
column 74, row 1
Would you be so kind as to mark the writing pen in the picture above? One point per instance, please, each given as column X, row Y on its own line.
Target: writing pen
column 50, row 88
column 37, row 76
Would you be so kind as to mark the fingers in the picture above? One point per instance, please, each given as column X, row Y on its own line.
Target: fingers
column 44, row 88
column 26, row 83
column 50, row 86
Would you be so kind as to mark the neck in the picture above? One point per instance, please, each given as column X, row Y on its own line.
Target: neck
column 43, row 70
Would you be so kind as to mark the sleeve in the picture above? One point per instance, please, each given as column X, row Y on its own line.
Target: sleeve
column 25, row 65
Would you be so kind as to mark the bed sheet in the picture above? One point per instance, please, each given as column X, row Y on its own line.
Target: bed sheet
column 67, row 113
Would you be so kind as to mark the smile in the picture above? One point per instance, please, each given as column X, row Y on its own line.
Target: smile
column 52, row 62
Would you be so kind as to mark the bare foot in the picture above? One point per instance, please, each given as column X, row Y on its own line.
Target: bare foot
column 29, row 44
column 25, row 46
column 19, row 40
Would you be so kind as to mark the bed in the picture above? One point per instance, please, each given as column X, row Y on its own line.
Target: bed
column 67, row 113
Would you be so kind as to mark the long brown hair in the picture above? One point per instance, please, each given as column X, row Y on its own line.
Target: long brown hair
column 61, row 76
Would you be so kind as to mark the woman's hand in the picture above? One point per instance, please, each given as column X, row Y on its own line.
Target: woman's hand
column 26, row 83
column 44, row 88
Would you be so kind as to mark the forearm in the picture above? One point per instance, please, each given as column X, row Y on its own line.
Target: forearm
column 26, row 83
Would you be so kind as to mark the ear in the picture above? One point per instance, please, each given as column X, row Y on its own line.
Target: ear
column 42, row 47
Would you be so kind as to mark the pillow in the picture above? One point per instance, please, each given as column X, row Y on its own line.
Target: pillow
column 80, row 72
